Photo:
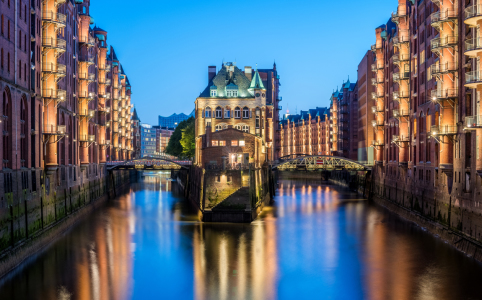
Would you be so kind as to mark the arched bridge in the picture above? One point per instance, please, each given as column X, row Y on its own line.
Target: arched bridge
column 148, row 163
column 317, row 162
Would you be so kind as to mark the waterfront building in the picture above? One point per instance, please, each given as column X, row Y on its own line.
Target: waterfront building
column 148, row 140
column 305, row 133
column 136, row 134
column 235, row 120
column 66, row 103
column 173, row 120
column 427, row 113
column 163, row 135
column 366, row 104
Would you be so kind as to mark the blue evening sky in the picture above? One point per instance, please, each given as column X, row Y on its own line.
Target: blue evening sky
column 165, row 46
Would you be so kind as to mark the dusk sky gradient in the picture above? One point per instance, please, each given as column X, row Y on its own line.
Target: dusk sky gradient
column 165, row 47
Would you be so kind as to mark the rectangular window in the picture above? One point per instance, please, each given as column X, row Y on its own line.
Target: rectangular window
column 214, row 143
column 226, row 113
column 219, row 113
column 245, row 113
column 222, row 143
column 422, row 57
column 237, row 113
column 234, row 143
column 241, row 143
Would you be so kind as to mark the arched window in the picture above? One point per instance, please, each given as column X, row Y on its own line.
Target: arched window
column 258, row 116
column 219, row 113
column 245, row 113
column 23, row 132
column 207, row 112
column 227, row 114
column 246, row 128
column 70, row 141
column 238, row 127
column 237, row 113
column 218, row 127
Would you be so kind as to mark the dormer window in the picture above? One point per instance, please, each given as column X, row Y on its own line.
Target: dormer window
column 214, row 91
column 231, row 90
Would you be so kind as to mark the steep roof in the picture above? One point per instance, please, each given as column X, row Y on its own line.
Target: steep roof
column 114, row 56
column 256, row 82
column 135, row 117
column 228, row 78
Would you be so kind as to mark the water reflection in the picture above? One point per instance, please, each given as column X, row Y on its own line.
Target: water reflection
column 317, row 242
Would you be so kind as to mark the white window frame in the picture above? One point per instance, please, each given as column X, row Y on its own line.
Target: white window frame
column 226, row 113
column 237, row 113
column 207, row 112
column 245, row 113
column 246, row 128
column 219, row 112
column 214, row 93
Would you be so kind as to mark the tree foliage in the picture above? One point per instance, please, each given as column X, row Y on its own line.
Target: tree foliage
column 187, row 141
column 174, row 146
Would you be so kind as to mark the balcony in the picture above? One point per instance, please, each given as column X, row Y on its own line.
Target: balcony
column 87, row 40
column 376, row 109
column 399, row 58
column 86, row 76
column 441, row 43
column 438, row 18
column 55, row 18
column 401, row 113
column 105, row 67
column 377, row 144
column 376, row 46
column 87, row 113
column 437, row 130
column 54, row 129
column 473, row 47
column 396, row 16
column 87, row 138
column 397, row 96
column 400, row 140
column 57, row 44
column 403, row 37
column 443, row 94
column 473, row 79
column 473, row 122
column 89, row 96
column 401, row 76
column 89, row 60
column 472, row 15
column 376, row 95
column 56, row 69
column 59, row 95
column 377, row 123
column 445, row 68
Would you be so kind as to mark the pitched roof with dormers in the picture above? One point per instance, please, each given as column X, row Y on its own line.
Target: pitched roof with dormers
column 229, row 76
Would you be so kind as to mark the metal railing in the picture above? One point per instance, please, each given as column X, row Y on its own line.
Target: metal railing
column 443, row 94
column 54, row 43
column 55, row 129
column 86, row 59
column 105, row 67
column 54, row 94
column 376, row 95
column 400, row 113
column 402, row 37
column 87, row 39
column 55, row 68
column 473, row 77
column 443, row 15
column 376, row 109
column 397, row 95
column 444, row 42
column 87, row 95
column 86, row 76
column 473, row 12
column 447, row 67
column 473, row 44
column 473, row 121
column 443, row 130
column 87, row 138
column 400, row 57
column 377, row 123
column 58, row 18
column 401, row 76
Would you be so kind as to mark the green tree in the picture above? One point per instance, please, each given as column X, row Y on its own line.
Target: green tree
column 187, row 141
column 174, row 146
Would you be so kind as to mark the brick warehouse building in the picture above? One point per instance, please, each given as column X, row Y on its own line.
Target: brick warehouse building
column 427, row 113
column 238, row 100
column 65, row 101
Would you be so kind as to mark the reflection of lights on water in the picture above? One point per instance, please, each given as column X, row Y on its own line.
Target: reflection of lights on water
column 94, row 271
column 223, row 269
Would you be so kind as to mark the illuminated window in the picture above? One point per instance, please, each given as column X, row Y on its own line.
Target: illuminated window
column 237, row 113
column 234, row 143
column 219, row 113
column 246, row 128
column 222, row 143
column 227, row 113
column 241, row 143
column 214, row 143
column 214, row 93
column 208, row 112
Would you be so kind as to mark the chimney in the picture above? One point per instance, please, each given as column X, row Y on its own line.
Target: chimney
column 211, row 73
column 248, row 72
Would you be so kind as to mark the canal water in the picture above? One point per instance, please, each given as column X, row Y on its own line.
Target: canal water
column 317, row 241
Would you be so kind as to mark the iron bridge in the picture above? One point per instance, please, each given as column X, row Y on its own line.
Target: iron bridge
column 318, row 162
column 149, row 163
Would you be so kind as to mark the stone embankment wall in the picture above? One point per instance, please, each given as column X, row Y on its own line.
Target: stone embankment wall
column 441, row 205
column 31, row 218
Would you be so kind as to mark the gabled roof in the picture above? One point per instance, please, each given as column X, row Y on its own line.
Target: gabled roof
column 114, row 56
column 224, row 79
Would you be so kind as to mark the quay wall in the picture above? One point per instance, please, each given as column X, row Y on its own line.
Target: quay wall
column 32, row 218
